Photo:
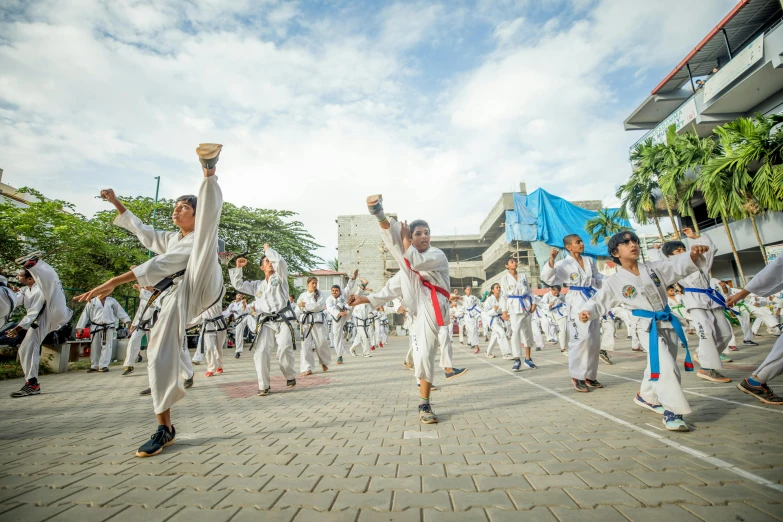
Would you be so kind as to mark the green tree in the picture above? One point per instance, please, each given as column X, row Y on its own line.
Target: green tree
column 650, row 160
column 333, row 264
column 636, row 196
column 606, row 223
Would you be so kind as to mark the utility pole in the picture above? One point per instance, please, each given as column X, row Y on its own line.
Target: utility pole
column 154, row 209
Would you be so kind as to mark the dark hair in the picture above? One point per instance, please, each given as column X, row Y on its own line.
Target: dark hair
column 510, row 258
column 418, row 223
column 570, row 238
column 337, row 287
column 671, row 287
column 26, row 273
column 616, row 240
column 190, row 199
column 317, row 292
column 494, row 285
column 556, row 287
column 468, row 287
column 669, row 247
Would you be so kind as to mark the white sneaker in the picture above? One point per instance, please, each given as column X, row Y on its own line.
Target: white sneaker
column 354, row 353
column 564, row 352
column 508, row 357
column 491, row 355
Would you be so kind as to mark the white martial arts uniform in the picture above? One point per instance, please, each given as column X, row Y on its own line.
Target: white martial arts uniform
column 712, row 327
column 584, row 339
column 375, row 338
column 460, row 315
column 192, row 293
column 647, row 292
column 741, row 307
column 519, row 297
column 9, row 300
column 608, row 329
column 472, row 311
column 244, row 321
column 431, row 266
column 499, row 327
column 630, row 324
column 363, row 320
column 555, row 307
column 335, row 306
column 46, row 312
column 102, row 318
column 535, row 322
column 141, row 324
column 759, row 307
column 314, row 334
column 212, row 337
column 272, row 303
column 768, row 282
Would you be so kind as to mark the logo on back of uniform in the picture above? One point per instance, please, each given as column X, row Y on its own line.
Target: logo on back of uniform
column 656, row 280
column 629, row 292
column 574, row 277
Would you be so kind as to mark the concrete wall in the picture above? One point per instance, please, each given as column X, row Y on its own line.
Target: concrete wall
column 359, row 246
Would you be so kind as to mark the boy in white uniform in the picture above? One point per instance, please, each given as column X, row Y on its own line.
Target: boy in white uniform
column 706, row 307
column 744, row 314
column 273, row 322
column 101, row 315
column 759, row 306
column 187, row 263
column 767, row 282
column 423, row 280
column 362, row 318
column 140, row 326
column 46, row 312
column 535, row 319
column 554, row 306
column 337, row 308
column 584, row 339
column 238, row 309
column 212, row 338
column 312, row 316
column 518, row 307
column 472, row 311
column 493, row 306
column 641, row 288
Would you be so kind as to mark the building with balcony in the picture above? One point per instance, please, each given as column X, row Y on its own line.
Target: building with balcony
column 735, row 71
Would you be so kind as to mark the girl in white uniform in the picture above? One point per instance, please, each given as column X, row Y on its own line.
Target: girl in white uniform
column 553, row 303
column 641, row 288
column 471, row 308
column 312, row 316
column 493, row 306
column 518, row 305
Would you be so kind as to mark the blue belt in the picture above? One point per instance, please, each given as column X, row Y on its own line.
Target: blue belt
column 560, row 305
column 470, row 310
column 522, row 299
column 587, row 291
column 712, row 294
column 492, row 319
column 663, row 315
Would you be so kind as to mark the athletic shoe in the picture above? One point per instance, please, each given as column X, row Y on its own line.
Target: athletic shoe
column 263, row 393
column 237, row 355
column 750, row 343
column 725, row 358
column 354, row 353
column 426, row 416
column 733, row 348
column 580, row 386
column 146, row 391
column 604, row 356
column 29, row 260
column 381, row 345
column 637, row 349
column 196, row 362
column 592, row 383
column 290, row 383
column 476, row 350
column 340, row 360
column 367, row 355
column 308, row 372
column 128, row 370
column 628, row 337
column 538, row 348
column 529, row 364
column 763, row 393
column 456, row 372
column 220, row 370
column 657, row 408
column 104, row 369
column 159, row 440
column 208, row 154
column 408, row 366
column 553, row 341
column 93, row 370
column 508, row 357
column 189, row 382
column 674, row 422
column 324, row 368
column 517, row 365
column 372, row 348
column 432, row 387
column 139, row 359
column 491, row 355
column 208, row 374
column 564, row 352
column 27, row 389
column 712, row 376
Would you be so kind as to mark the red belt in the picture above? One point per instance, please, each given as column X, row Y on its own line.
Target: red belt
column 434, row 291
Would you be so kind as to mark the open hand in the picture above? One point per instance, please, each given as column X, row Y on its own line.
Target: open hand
column 736, row 298
column 99, row 291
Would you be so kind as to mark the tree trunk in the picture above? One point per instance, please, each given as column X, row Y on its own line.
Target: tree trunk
column 758, row 238
column 733, row 248
column 693, row 218
column 658, row 226
column 671, row 216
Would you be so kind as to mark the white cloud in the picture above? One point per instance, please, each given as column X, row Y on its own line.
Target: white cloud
column 317, row 112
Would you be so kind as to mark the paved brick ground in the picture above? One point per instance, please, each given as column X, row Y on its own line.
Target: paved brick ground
column 347, row 445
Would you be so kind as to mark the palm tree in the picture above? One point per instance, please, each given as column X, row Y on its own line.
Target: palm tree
column 333, row 264
column 651, row 159
column 636, row 197
column 605, row 224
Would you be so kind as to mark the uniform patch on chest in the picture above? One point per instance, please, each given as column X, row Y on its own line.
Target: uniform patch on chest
column 274, row 281
column 629, row 292
column 574, row 277
column 655, row 279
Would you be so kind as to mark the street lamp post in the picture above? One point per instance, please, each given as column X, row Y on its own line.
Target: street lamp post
column 154, row 208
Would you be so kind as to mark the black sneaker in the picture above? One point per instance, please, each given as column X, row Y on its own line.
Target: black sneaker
column 580, row 386
column 29, row 260
column 159, row 440
column 139, row 359
column 290, row 383
column 592, row 383
column 189, row 383
column 27, row 389
column 208, row 154
column 750, row 343
column 263, row 393
column 604, row 356
column 237, row 355
column 128, row 370
column 426, row 416
column 146, row 391
column 104, row 369
column 763, row 393
column 93, row 370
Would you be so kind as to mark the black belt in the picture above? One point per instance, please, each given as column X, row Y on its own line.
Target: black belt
column 365, row 325
column 102, row 328
column 147, row 324
column 166, row 283
column 220, row 321
column 309, row 319
column 276, row 317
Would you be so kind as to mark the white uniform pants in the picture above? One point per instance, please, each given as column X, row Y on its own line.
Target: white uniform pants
column 538, row 335
column 471, row 329
column 201, row 286
column 461, row 324
column 773, row 364
column 607, row 334
column 485, row 325
column 213, row 348
column 409, row 355
column 714, row 333
column 560, row 328
column 384, row 333
column 362, row 338
column 273, row 336
column 667, row 390
column 499, row 337
column 337, row 337
column 134, row 347
column 764, row 316
column 584, row 343
column 521, row 333
column 446, row 348
column 101, row 348
column 744, row 319
column 425, row 348
column 186, row 367
column 54, row 316
column 239, row 329
column 374, row 337
column 315, row 344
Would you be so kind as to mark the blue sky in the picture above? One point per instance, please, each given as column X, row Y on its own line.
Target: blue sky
column 439, row 106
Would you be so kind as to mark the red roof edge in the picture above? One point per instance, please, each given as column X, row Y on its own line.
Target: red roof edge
column 721, row 25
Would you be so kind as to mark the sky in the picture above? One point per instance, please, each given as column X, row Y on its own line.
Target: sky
column 440, row 107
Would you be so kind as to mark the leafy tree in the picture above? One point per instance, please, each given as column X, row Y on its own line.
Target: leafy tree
column 604, row 225
column 637, row 198
column 650, row 160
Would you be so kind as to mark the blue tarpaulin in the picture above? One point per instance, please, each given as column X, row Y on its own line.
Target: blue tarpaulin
column 540, row 217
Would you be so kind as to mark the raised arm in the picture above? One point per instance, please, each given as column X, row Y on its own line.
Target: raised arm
column 238, row 282
column 279, row 264
column 155, row 240
column 390, row 291
column 553, row 273
column 769, row 281
column 432, row 259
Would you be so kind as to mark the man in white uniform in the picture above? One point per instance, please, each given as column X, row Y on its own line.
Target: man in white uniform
column 102, row 315
column 140, row 326
column 340, row 313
